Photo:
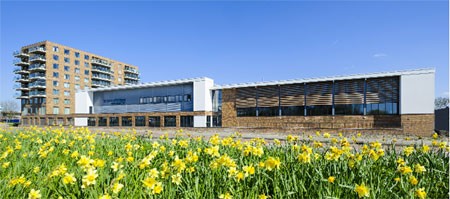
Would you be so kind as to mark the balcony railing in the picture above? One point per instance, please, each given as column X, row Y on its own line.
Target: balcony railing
column 101, row 77
column 102, row 70
column 37, row 84
column 131, row 70
column 37, row 93
column 21, row 79
column 101, row 62
column 20, row 71
column 24, row 88
column 37, row 58
column 20, row 62
column 37, row 76
column 40, row 49
column 19, row 54
column 37, row 67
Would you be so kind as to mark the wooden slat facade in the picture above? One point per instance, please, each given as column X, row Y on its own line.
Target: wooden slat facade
column 319, row 93
column 349, row 92
column 292, row 95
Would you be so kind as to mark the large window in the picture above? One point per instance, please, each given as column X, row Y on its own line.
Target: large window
column 344, row 97
column 170, row 121
column 349, row 97
column 113, row 121
column 91, row 121
column 187, row 121
column 126, row 121
column 139, row 121
column 154, row 121
column 102, row 121
column 382, row 96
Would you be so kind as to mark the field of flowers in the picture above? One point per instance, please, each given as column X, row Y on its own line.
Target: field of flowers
column 76, row 163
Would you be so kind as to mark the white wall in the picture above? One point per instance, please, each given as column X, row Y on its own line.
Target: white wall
column 417, row 93
column 83, row 99
column 200, row 121
column 202, row 95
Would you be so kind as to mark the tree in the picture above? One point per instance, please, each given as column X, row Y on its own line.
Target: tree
column 8, row 108
column 440, row 103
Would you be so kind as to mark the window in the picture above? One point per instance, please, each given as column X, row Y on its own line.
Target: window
column 66, row 76
column 187, row 121
column 55, row 66
column 268, row 111
column 56, row 74
column 55, row 57
column 66, row 85
column 77, row 55
column 86, row 80
column 77, row 86
column 67, row 68
column 66, row 51
column 382, row 96
column 91, row 121
column 170, row 121
column 114, row 121
column 86, row 57
column 55, row 83
column 154, row 121
column 242, row 112
column 319, row 98
column 102, row 121
column 86, row 72
column 66, row 60
column 55, row 92
column 55, row 49
column 55, row 110
column 86, row 64
column 187, row 98
column 293, row 110
column 66, row 101
column 139, row 121
column 77, row 62
column 349, row 97
column 126, row 121
column 55, row 100
column 77, row 70
column 66, row 93
column 77, row 78
column 66, row 110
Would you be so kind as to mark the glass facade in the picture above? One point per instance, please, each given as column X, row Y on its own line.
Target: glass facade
column 126, row 121
column 139, row 121
column 373, row 96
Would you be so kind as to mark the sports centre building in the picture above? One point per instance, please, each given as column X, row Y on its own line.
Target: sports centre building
column 401, row 100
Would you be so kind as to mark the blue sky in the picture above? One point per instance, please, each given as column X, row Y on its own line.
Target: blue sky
column 234, row 42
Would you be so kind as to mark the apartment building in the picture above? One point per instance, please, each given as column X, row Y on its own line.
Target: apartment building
column 49, row 74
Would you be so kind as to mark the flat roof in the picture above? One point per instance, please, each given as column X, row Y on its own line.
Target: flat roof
column 330, row 78
column 150, row 84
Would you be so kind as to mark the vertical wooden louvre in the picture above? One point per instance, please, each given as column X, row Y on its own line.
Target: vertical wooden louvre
column 319, row 93
column 246, row 97
column 267, row 96
column 292, row 95
column 349, row 92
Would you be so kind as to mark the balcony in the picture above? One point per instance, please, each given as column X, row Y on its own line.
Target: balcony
column 20, row 71
column 37, row 49
column 37, row 67
column 22, row 97
column 37, row 85
column 37, row 94
column 20, row 62
column 34, row 76
column 101, row 78
column 131, row 70
column 20, row 54
column 132, row 77
column 101, row 62
column 23, row 89
column 101, row 70
column 22, row 79
column 39, row 58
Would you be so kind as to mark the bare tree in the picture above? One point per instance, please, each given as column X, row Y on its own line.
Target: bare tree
column 8, row 108
column 440, row 103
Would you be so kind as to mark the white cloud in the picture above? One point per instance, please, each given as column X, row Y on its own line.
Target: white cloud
column 378, row 55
